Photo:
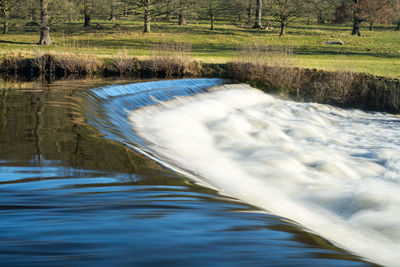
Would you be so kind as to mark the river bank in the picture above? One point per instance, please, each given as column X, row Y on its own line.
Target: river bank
column 339, row 88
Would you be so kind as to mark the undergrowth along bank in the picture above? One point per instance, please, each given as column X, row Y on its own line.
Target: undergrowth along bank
column 343, row 89
column 339, row 88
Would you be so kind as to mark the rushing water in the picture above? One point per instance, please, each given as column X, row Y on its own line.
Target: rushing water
column 72, row 193
column 337, row 172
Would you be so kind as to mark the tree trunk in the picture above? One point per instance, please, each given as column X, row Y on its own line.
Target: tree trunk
column 125, row 11
column 112, row 9
column 282, row 32
column 212, row 19
column 5, row 23
column 182, row 12
column 5, row 14
column 398, row 26
column 5, row 26
column 168, row 10
column 356, row 19
column 356, row 26
column 249, row 8
column 371, row 25
column 87, row 20
column 320, row 18
column 45, row 27
column 147, row 19
column 257, row 23
column 308, row 19
column 87, row 9
column 182, row 17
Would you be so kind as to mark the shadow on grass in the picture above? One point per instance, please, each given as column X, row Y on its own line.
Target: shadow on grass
column 204, row 29
column 12, row 42
column 343, row 53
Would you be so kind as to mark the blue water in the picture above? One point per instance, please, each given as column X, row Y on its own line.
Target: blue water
column 70, row 196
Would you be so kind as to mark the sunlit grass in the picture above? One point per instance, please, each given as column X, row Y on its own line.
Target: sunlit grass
column 378, row 52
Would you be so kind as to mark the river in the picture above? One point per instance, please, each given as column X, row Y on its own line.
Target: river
column 83, row 182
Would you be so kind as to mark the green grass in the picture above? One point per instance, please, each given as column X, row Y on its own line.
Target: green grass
column 378, row 52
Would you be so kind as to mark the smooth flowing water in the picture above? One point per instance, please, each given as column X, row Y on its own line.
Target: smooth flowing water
column 74, row 192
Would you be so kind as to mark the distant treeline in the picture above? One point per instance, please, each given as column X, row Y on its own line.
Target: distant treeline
column 247, row 13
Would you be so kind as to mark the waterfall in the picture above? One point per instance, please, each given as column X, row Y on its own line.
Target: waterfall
column 334, row 171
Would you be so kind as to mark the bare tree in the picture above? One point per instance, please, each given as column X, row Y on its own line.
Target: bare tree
column 213, row 8
column 285, row 11
column 45, row 24
column 377, row 11
column 5, row 13
column 6, row 7
column 87, row 11
column 325, row 9
column 169, row 7
column 396, row 13
column 62, row 11
column 112, row 10
column 28, row 10
column 183, row 5
column 357, row 17
column 372, row 10
column 257, row 22
column 146, row 5
column 71, row 11
column 237, row 8
column 146, row 8
column 249, row 11
column 322, row 9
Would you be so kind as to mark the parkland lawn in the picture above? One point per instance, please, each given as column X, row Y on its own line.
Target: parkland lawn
column 377, row 52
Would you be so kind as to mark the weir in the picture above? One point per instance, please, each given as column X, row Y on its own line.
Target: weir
column 334, row 171
column 109, row 107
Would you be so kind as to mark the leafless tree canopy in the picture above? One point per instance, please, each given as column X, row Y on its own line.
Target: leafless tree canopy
column 246, row 13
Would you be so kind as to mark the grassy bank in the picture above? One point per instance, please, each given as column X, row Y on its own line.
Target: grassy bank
column 377, row 52
column 340, row 88
column 361, row 73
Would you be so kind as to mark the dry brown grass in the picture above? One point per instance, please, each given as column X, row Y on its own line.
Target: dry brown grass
column 71, row 64
column 261, row 54
column 49, row 64
column 266, row 64
column 122, row 65
column 172, row 59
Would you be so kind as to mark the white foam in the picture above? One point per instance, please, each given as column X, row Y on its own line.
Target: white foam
column 336, row 172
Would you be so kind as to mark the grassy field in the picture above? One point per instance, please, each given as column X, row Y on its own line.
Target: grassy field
column 377, row 52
